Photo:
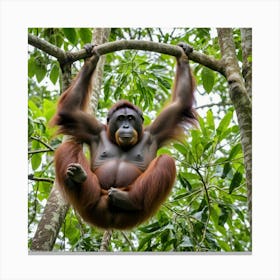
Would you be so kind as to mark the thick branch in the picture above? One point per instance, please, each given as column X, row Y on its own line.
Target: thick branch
column 246, row 44
column 47, row 47
column 154, row 47
column 238, row 93
column 208, row 61
column 110, row 47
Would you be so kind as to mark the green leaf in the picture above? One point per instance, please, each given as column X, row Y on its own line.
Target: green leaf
column 157, row 67
column 71, row 35
column 195, row 137
column 141, row 88
column 180, row 196
column 223, row 217
column 40, row 71
column 199, row 150
column 235, row 151
column 163, row 219
column 198, row 227
column 215, row 214
column 31, row 67
column 164, row 83
column 180, row 148
column 224, row 245
column 224, row 123
column 54, row 73
column 85, row 34
column 36, row 161
column 190, row 176
column 146, row 240
column 49, row 108
column 36, row 112
column 239, row 197
column 235, row 182
column 30, row 125
column 202, row 124
column 210, row 119
column 208, row 79
column 184, row 182
column 150, row 228
column 164, row 236
column 226, row 170
column 107, row 85
column 208, row 145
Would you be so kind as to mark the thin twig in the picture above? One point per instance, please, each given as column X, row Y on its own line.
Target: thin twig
column 42, row 142
column 208, row 203
column 213, row 104
column 31, row 177
column 128, row 241
column 39, row 151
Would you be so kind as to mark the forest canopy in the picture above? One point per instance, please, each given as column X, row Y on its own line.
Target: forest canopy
column 209, row 209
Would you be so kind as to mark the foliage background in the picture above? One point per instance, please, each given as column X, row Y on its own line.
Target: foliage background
column 207, row 210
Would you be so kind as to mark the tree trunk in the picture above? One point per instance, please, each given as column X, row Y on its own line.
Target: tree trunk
column 51, row 221
column 241, row 101
column 100, row 36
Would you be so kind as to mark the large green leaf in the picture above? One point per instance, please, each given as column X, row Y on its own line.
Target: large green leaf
column 237, row 149
column 235, row 182
column 86, row 35
column 31, row 67
column 208, row 79
column 36, row 158
column 54, row 73
column 226, row 170
column 224, row 123
column 180, row 148
column 71, row 35
column 210, row 119
column 40, row 71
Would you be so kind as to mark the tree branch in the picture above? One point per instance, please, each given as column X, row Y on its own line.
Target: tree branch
column 128, row 241
column 105, row 241
column 42, row 142
column 48, row 180
column 213, row 104
column 39, row 151
column 47, row 47
column 69, row 57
